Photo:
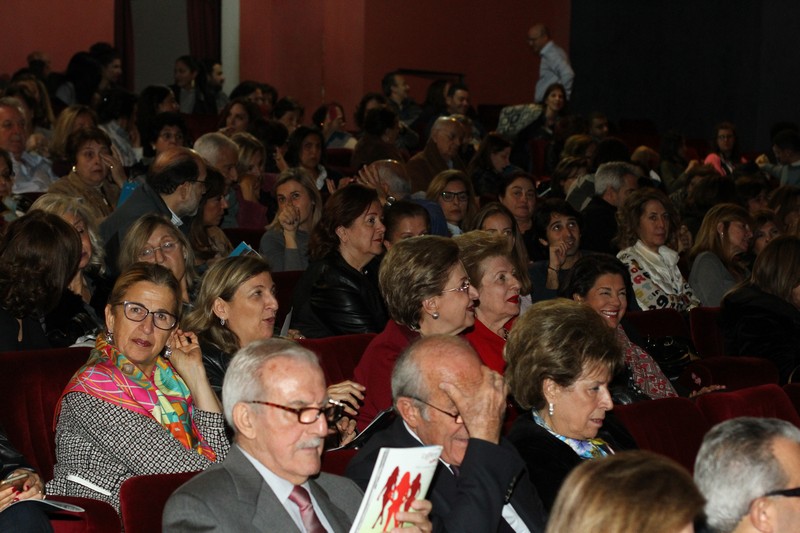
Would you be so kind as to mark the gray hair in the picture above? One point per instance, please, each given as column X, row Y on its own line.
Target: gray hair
column 736, row 465
column 443, row 122
column 13, row 102
column 611, row 174
column 211, row 144
column 407, row 377
column 393, row 174
column 243, row 379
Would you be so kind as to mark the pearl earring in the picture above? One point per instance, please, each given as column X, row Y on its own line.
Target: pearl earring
column 435, row 315
column 221, row 321
column 550, row 409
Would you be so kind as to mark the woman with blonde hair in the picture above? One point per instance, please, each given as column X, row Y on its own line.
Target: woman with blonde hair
column 453, row 191
column 71, row 119
column 285, row 243
column 724, row 236
column 251, row 212
column 154, row 239
column 631, row 492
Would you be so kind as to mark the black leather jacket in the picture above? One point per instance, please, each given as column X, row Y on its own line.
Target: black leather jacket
column 10, row 458
column 333, row 298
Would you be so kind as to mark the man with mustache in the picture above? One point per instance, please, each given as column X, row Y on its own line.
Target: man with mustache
column 274, row 397
column 444, row 396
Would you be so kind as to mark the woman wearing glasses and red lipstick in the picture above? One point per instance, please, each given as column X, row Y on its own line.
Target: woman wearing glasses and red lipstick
column 142, row 403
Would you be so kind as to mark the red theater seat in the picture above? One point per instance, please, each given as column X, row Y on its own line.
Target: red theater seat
column 339, row 355
column 733, row 372
column 671, row 426
column 767, row 401
column 706, row 333
column 284, row 289
column 142, row 500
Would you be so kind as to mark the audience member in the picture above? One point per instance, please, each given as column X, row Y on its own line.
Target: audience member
column 130, row 410
column 613, row 182
column 764, row 230
column 427, row 292
column 440, row 154
column 444, row 396
column 329, row 118
column 725, row 154
column 33, row 173
column 785, row 202
column 285, row 243
column 305, row 151
column 558, row 228
column 97, row 174
column 154, row 239
column 39, row 257
column 191, row 88
column 21, row 518
column 239, row 115
column 288, row 112
column 648, row 225
column 761, row 316
column 208, row 242
column 489, row 265
column 673, row 160
column 747, row 470
column 560, row 359
column 338, row 293
column 117, row 116
column 453, row 192
column 252, row 213
column 222, row 153
column 786, row 147
column 752, row 191
column 716, row 257
column 518, row 195
column 487, row 167
column 275, row 400
column 381, row 131
column 631, row 492
column 8, row 205
column 174, row 187
column 403, row 220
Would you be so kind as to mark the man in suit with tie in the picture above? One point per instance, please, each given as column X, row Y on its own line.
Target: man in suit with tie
column 445, row 396
column 274, row 397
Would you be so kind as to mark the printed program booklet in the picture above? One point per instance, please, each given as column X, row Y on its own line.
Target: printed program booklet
column 400, row 476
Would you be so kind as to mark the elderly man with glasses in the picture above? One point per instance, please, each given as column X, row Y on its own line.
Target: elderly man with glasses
column 274, row 397
column 748, row 469
column 445, row 396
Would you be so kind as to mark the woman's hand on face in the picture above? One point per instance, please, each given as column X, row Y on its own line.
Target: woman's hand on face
column 348, row 392
column 186, row 355
column 113, row 163
column 289, row 218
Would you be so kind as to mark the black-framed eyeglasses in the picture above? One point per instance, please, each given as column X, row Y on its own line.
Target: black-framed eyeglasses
column 449, row 196
column 308, row 415
column 167, row 247
column 137, row 313
column 788, row 493
column 464, row 287
column 455, row 416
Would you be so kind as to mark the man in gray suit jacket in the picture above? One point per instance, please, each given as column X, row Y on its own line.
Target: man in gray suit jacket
column 274, row 397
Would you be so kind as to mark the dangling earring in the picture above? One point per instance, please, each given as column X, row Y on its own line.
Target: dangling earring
column 109, row 337
column 550, row 409
column 435, row 315
column 74, row 169
column 221, row 321
column 167, row 352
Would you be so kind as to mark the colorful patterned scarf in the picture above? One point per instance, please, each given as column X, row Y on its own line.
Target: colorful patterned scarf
column 113, row 378
column 647, row 375
column 586, row 449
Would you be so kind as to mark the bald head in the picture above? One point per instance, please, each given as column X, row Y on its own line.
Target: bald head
column 538, row 36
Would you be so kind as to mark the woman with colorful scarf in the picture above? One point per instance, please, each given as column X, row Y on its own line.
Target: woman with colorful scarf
column 560, row 359
column 142, row 403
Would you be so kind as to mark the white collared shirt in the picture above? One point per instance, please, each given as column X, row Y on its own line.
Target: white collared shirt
column 282, row 489
column 509, row 513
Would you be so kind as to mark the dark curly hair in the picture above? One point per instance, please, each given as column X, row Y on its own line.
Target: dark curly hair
column 39, row 256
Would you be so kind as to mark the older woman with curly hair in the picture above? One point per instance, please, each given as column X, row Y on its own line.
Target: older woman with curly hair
column 39, row 256
column 648, row 227
column 453, row 191
column 427, row 292
column 338, row 293
column 561, row 357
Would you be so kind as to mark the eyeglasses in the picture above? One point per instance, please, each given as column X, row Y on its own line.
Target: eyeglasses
column 455, row 416
column 449, row 196
column 167, row 247
column 464, row 287
column 789, row 493
column 308, row 415
column 137, row 313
